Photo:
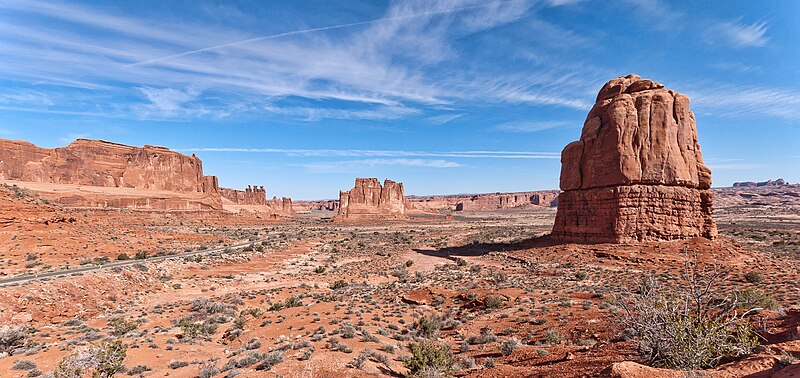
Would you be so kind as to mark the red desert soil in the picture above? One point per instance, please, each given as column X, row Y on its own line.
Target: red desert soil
column 312, row 296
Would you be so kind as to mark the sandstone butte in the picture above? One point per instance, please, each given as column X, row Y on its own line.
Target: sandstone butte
column 637, row 173
column 368, row 200
column 254, row 198
column 96, row 173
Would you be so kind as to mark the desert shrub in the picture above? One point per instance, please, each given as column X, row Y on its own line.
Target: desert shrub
column 23, row 365
column 270, row 360
column 494, row 301
column 121, row 326
column 123, row 256
column 139, row 370
column 755, row 299
column 753, row 277
column 101, row 360
column 690, row 327
column 509, row 346
column 553, row 337
column 428, row 327
column 429, row 359
column 177, row 364
column 339, row 284
column 193, row 329
column 11, row 338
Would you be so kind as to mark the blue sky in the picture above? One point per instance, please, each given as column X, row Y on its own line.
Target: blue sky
column 447, row 97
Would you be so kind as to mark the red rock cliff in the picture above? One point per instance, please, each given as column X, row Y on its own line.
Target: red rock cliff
column 105, row 164
column 101, row 163
column 637, row 173
column 369, row 200
column 255, row 195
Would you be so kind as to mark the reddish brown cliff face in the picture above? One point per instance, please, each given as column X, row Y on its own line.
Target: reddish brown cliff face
column 369, row 200
column 637, row 173
column 98, row 163
column 101, row 163
column 255, row 195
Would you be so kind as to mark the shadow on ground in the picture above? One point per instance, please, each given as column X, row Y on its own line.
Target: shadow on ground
column 480, row 249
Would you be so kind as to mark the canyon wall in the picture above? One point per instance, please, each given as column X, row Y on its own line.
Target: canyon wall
column 637, row 173
column 255, row 195
column 369, row 200
column 148, row 171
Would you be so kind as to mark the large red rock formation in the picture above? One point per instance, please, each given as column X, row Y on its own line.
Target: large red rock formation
column 637, row 173
column 486, row 201
column 369, row 200
column 110, row 165
column 253, row 195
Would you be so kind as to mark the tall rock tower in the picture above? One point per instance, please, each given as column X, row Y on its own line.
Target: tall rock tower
column 637, row 173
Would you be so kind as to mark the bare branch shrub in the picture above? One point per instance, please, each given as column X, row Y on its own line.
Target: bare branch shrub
column 692, row 326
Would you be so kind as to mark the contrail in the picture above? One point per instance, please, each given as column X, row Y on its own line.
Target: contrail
column 304, row 31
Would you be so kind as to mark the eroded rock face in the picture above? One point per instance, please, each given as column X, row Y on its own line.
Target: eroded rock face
column 369, row 200
column 485, row 201
column 99, row 163
column 637, row 173
column 253, row 195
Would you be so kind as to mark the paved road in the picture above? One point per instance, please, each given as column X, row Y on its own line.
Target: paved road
column 60, row 273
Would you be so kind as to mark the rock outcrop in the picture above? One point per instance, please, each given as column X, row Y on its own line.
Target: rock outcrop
column 637, row 173
column 768, row 183
column 253, row 195
column 369, row 200
column 484, row 202
column 104, row 164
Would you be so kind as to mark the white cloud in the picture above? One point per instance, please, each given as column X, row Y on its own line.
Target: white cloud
column 391, row 67
column 383, row 153
column 728, row 100
column 738, row 34
column 530, row 127
column 357, row 165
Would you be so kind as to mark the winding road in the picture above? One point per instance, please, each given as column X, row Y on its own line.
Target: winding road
column 18, row 280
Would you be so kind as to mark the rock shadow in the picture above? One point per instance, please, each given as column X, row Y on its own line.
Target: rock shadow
column 480, row 249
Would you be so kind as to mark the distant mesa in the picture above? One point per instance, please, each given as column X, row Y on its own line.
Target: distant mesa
column 484, row 202
column 147, row 177
column 368, row 200
column 637, row 173
column 254, row 199
column 97, row 173
column 769, row 183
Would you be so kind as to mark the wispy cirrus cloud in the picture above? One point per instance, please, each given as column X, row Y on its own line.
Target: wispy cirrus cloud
column 730, row 100
column 532, row 127
column 178, row 70
column 738, row 34
column 382, row 153
column 360, row 165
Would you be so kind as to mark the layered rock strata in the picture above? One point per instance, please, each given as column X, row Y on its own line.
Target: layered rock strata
column 148, row 174
column 369, row 200
column 637, row 173
column 253, row 195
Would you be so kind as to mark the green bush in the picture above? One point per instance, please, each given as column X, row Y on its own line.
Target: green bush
column 121, row 326
column 428, row 327
column 754, row 298
column 429, row 359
